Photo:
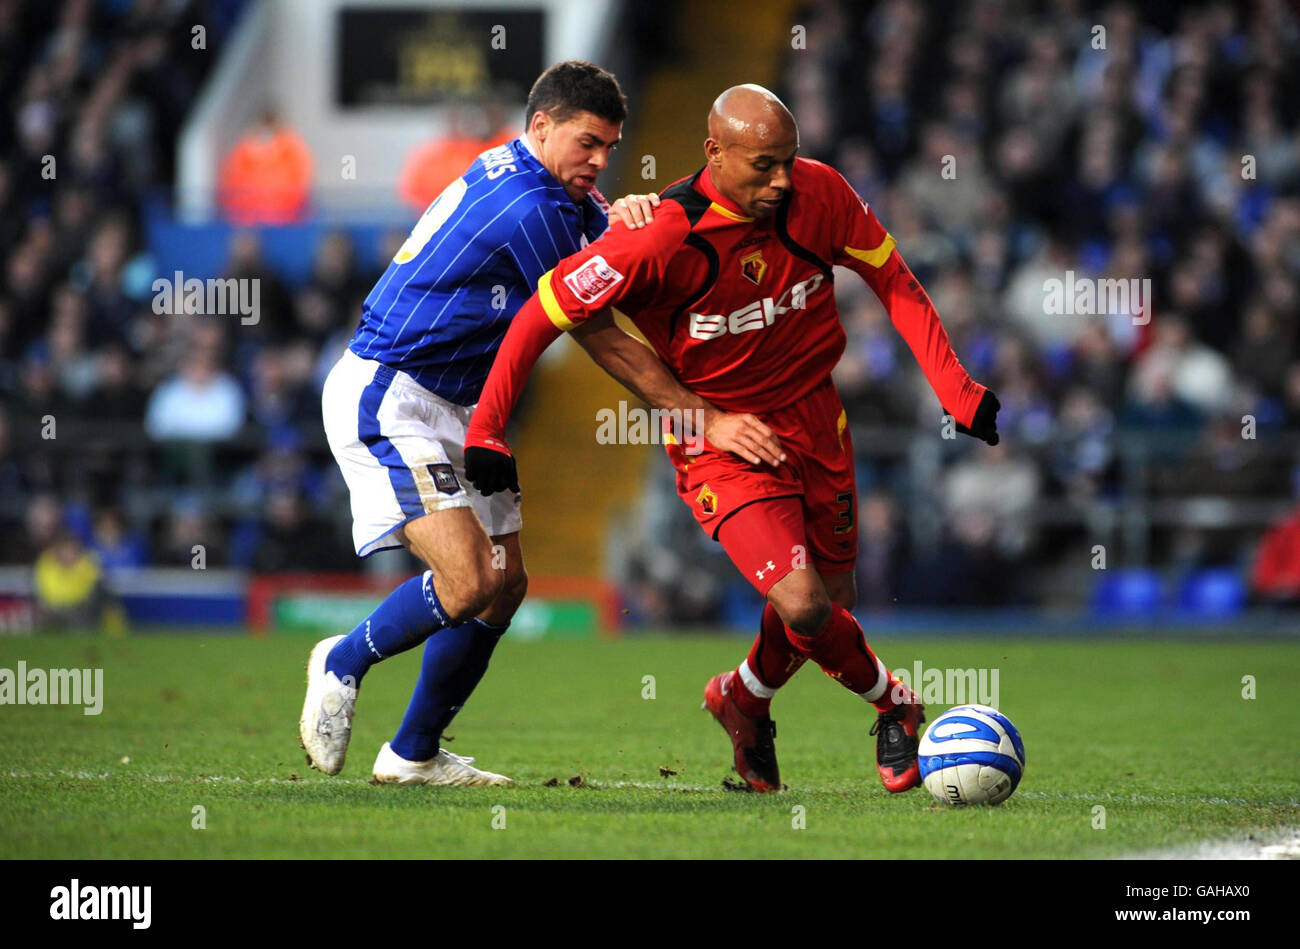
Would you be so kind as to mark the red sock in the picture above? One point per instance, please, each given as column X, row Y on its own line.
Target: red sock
column 772, row 662
column 841, row 650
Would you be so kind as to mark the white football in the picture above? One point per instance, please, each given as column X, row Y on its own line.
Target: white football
column 971, row 754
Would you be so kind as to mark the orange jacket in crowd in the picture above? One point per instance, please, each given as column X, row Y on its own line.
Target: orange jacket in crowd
column 432, row 166
column 266, row 180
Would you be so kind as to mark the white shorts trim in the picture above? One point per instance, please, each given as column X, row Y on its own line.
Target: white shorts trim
column 401, row 451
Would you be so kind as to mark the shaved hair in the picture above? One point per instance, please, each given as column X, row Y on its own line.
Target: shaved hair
column 752, row 116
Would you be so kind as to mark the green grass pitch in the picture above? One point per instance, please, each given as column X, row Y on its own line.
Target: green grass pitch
column 1158, row 733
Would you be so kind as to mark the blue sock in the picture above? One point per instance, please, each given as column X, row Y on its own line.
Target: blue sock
column 454, row 662
column 409, row 616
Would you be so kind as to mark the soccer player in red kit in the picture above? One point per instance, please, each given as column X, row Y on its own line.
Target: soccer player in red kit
column 732, row 287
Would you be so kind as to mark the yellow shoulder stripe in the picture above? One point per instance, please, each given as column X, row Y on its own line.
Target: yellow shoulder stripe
column 552, row 305
column 875, row 257
column 732, row 215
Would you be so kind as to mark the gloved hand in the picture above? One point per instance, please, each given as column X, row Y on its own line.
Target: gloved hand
column 984, row 425
column 491, row 469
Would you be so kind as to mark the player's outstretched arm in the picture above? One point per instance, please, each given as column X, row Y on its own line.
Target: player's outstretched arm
column 624, row 263
column 489, row 466
column 640, row 370
column 973, row 406
column 862, row 244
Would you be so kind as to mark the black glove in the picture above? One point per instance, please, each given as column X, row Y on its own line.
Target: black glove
column 490, row 471
column 984, row 425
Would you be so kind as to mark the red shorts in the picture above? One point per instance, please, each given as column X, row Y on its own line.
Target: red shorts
column 774, row 520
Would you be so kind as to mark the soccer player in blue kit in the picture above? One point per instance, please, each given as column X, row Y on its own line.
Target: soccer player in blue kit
column 397, row 405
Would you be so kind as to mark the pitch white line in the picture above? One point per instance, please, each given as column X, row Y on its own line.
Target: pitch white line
column 649, row 786
column 1266, row 845
column 1150, row 798
column 235, row 779
column 160, row 778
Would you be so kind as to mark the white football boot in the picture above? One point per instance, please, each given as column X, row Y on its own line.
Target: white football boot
column 326, row 723
column 444, row 768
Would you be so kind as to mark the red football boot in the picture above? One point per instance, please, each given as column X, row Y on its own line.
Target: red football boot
column 898, row 733
column 751, row 737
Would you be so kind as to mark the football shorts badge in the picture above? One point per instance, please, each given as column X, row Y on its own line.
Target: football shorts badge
column 707, row 500
column 444, row 478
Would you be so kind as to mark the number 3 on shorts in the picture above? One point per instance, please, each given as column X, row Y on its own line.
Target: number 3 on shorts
column 844, row 516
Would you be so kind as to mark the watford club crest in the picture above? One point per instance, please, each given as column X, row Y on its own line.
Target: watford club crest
column 707, row 500
column 753, row 266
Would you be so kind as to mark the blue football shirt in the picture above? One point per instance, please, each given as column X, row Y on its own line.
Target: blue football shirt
column 441, row 309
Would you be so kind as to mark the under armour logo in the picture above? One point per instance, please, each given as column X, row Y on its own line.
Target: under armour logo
column 762, row 573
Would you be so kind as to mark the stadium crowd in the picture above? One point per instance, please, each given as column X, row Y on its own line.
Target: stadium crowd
column 1003, row 145
column 124, row 433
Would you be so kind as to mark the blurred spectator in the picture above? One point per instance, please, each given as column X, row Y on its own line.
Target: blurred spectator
column 1223, row 464
column 188, row 527
column 275, row 308
column 882, row 551
column 70, row 591
column 1291, row 398
column 1177, row 366
column 1263, row 352
column 1026, row 294
column 266, row 177
column 668, row 570
column 199, row 403
column 13, row 476
column 115, row 546
column 1275, row 577
column 989, row 498
column 44, row 523
column 101, row 274
column 433, row 165
column 331, row 299
column 64, row 348
column 280, row 397
column 947, row 182
column 282, row 468
column 1084, row 453
column 115, row 394
column 289, row 542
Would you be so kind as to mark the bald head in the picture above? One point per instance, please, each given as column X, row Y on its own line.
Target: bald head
column 750, row 115
column 751, row 147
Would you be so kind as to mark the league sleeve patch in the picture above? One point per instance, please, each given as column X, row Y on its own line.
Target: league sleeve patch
column 590, row 281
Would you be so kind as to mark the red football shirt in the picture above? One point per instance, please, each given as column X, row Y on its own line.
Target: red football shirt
column 742, row 310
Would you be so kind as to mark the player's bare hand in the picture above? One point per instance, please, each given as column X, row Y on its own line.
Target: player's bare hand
column 635, row 210
column 744, row 435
